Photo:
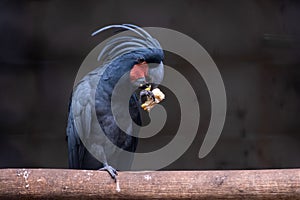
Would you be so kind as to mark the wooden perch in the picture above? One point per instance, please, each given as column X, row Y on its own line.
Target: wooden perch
column 86, row 184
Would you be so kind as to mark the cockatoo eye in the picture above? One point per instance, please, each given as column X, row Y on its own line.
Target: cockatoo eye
column 140, row 60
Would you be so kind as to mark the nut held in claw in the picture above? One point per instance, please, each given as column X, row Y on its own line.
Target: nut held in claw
column 150, row 102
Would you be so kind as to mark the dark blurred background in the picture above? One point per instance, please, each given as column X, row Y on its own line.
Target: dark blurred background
column 255, row 44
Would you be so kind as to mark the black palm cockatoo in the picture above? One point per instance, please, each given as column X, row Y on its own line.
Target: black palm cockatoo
column 134, row 60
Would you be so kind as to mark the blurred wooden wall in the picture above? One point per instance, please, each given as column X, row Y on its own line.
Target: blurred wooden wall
column 255, row 44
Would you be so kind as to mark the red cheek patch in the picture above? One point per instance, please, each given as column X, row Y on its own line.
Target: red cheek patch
column 139, row 71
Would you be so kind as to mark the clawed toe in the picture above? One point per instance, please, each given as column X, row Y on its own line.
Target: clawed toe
column 112, row 171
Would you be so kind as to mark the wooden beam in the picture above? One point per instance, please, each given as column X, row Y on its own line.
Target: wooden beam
column 87, row 184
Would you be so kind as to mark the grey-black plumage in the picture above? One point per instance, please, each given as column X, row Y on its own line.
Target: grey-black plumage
column 125, row 55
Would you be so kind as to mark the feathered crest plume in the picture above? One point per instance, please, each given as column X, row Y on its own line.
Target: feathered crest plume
column 115, row 47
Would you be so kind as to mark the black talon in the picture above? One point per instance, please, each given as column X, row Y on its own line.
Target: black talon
column 112, row 171
column 144, row 86
column 146, row 92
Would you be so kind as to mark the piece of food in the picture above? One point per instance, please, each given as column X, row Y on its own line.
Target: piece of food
column 153, row 97
column 159, row 96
